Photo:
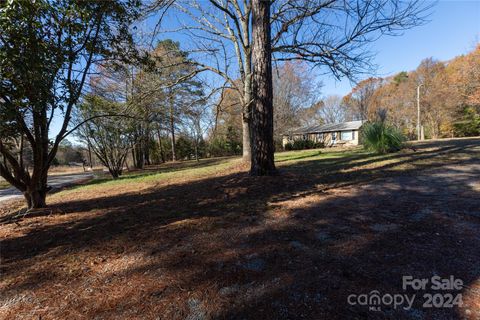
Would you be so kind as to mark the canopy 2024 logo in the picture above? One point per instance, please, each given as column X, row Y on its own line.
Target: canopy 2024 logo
column 447, row 295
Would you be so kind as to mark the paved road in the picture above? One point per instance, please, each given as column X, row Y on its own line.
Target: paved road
column 56, row 181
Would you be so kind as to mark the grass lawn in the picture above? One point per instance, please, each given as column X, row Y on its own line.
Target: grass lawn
column 177, row 171
column 326, row 160
column 204, row 240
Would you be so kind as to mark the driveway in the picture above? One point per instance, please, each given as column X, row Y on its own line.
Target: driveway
column 57, row 181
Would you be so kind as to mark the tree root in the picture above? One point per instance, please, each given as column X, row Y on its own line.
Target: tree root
column 23, row 213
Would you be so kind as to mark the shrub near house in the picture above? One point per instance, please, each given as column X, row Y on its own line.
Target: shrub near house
column 303, row 144
column 381, row 138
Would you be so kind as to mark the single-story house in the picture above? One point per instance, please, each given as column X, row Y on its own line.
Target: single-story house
column 333, row 134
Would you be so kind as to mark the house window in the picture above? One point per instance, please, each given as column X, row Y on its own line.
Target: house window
column 334, row 136
column 346, row 135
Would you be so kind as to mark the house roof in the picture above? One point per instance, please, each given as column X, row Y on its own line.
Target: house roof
column 330, row 127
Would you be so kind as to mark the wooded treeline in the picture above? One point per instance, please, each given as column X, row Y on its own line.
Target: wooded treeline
column 149, row 113
column 449, row 94
column 178, row 123
column 449, row 100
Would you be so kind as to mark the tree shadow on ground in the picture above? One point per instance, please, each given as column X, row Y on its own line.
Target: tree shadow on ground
column 309, row 154
column 286, row 247
column 332, row 172
column 153, row 170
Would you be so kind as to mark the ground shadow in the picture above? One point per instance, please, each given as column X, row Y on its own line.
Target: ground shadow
column 285, row 247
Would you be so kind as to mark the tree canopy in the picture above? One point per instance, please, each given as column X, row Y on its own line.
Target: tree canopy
column 47, row 49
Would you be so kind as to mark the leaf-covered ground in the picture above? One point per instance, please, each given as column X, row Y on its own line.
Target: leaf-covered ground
column 207, row 241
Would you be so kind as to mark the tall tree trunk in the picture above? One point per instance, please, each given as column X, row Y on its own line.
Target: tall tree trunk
column 160, row 145
column 147, row 148
column 196, row 150
column 247, row 90
column 172, row 130
column 90, row 156
column 261, row 120
column 139, row 153
column 246, row 153
column 125, row 162
column 133, row 156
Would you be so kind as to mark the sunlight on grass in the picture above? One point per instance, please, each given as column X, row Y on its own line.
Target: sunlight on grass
column 316, row 154
column 186, row 170
column 324, row 164
column 314, row 160
column 206, row 167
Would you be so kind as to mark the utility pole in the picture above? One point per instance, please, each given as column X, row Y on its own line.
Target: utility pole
column 419, row 127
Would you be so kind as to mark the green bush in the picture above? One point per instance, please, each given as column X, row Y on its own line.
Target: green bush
column 219, row 147
column 469, row 126
column 381, row 138
column 184, row 148
column 303, row 144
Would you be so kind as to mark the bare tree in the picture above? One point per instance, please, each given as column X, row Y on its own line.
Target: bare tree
column 361, row 101
column 294, row 89
column 221, row 43
column 197, row 124
column 332, row 109
column 110, row 138
column 334, row 35
column 311, row 116
column 329, row 34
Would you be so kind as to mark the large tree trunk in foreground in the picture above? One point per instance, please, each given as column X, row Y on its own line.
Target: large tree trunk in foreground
column 261, row 120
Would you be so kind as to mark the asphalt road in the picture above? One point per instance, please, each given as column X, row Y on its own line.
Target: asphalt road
column 57, row 181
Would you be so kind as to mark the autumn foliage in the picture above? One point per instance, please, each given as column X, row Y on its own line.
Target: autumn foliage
column 449, row 97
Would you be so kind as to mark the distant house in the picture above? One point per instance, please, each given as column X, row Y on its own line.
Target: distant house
column 338, row 134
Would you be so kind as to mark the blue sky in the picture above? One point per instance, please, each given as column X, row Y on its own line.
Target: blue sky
column 454, row 28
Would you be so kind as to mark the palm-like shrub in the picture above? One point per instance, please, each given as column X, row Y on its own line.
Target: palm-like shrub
column 381, row 138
